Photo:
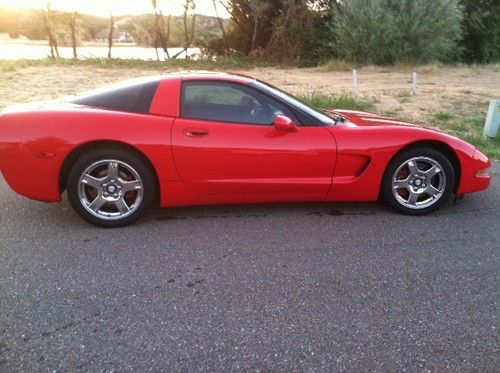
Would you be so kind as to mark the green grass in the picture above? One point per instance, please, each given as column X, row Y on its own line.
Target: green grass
column 469, row 129
column 337, row 65
column 338, row 101
column 442, row 116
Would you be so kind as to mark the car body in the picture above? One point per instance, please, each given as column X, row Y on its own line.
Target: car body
column 206, row 142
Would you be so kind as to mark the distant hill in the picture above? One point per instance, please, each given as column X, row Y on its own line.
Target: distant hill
column 129, row 28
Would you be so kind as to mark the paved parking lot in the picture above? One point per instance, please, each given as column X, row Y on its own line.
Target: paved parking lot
column 311, row 287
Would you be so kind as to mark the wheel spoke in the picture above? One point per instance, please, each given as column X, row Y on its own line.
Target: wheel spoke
column 400, row 184
column 433, row 171
column 412, row 199
column 432, row 191
column 412, row 167
column 129, row 186
column 113, row 169
column 97, row 203
column 92, row 181
column 122, row 206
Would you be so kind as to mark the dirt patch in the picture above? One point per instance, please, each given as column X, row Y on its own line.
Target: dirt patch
column 461, row 90
column 458, row 90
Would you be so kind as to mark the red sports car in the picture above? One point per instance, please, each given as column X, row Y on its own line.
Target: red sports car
column 213, row 138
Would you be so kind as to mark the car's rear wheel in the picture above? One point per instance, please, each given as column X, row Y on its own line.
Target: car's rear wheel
column 111, row 187
column 418, row 181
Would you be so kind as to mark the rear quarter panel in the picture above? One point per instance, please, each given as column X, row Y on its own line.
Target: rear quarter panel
column 34, row 144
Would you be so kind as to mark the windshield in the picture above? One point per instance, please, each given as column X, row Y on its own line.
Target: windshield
column 295, row 102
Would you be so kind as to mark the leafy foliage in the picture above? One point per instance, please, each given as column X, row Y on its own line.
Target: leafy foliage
column 389, row 31
column 481, row 40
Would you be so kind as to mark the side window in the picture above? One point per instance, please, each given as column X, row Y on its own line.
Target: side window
column 135, row 98
column 229, row 102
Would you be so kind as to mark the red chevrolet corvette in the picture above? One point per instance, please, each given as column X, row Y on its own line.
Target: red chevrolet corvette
column 191, row 139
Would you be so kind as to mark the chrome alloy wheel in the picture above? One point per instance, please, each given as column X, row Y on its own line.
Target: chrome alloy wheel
column 110, row 189
column 418, row 183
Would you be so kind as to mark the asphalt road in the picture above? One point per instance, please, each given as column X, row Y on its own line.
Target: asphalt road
column 305, row 287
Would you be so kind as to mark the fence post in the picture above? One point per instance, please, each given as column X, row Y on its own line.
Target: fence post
column 492, row 120
column 414, row 83
column 355, row 82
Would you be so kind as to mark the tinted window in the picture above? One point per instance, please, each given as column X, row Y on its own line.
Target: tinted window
column 229, row 102
column 135, row 98
column 318, row 116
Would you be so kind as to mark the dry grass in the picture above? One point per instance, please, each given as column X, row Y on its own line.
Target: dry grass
column 454, row 99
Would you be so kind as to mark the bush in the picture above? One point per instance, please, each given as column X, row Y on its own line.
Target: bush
column 322, row 100
column 390, row 31
column 317, row 44
column 481, row 40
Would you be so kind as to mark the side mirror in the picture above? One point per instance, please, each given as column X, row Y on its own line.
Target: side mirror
column 284, row 123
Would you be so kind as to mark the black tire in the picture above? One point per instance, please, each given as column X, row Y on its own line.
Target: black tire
column 418, row 183
column 135, row 186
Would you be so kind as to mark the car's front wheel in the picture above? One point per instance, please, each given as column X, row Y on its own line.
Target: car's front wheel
column 111, row 187
column 418, row 181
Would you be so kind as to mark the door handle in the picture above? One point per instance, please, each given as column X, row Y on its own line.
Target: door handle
column 195, row 132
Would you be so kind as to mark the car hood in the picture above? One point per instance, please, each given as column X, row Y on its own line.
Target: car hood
column 361, row 118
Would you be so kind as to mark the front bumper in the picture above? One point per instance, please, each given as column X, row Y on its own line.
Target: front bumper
column 475, row 177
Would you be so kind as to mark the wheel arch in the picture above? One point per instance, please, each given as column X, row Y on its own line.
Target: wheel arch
column 440, row 146
column 73, row 156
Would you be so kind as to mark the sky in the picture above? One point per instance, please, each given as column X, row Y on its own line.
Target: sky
column 119, row 7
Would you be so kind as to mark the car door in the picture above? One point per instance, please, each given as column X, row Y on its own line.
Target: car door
column 225, row 143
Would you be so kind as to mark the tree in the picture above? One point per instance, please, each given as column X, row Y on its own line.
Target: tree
column 189, row 7
column 273, row 29
column 110, row 33
column 164, row 36
column 219, row 20
column 159, row 38
column 258, row 8
column 294, row 22
column 73, row 28
column 156, row 27
column 48, row 21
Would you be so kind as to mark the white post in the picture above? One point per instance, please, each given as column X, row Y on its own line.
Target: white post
column 414, row 83
column 492, row 120
column 355, row 83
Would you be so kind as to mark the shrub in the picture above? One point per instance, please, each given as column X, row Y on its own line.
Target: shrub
column 481, row 40
column 390, row 31
column 322, row 100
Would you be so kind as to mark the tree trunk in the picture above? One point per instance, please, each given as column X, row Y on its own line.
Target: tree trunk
column 156, row 51
column 255, row 28
column 73, row 34
column 48, row 32
column 164, row 38
column 110, row 35
column 47, row 21
column 159, row 30
column 188, row 34
column 221, row 25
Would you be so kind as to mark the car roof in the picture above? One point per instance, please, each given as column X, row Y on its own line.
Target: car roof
column 209, row 75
